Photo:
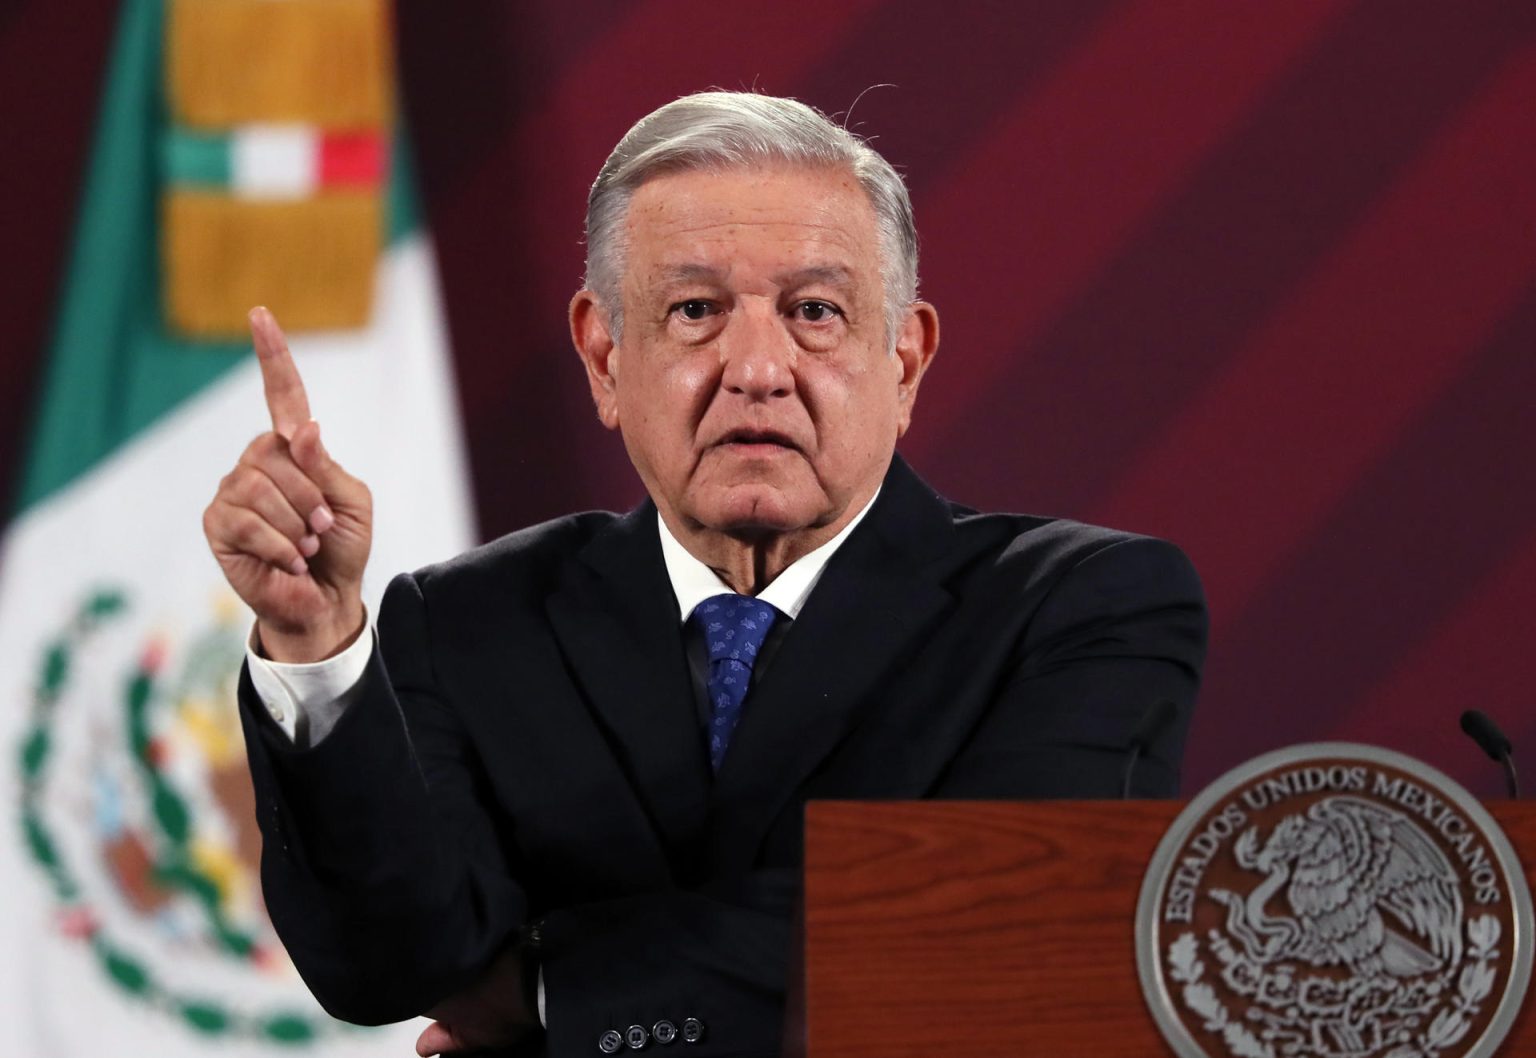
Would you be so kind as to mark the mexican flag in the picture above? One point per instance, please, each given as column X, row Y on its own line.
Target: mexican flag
column 245, row 153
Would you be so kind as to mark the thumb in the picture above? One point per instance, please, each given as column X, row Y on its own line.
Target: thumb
column 436, row 1038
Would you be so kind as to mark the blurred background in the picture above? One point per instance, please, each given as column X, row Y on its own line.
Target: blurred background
column 1258, row 278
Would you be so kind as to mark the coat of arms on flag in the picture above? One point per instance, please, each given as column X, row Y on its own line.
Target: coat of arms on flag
column 142, row 818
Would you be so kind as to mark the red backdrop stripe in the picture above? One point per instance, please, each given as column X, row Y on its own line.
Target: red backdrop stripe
column 1310, row 403
column 1477, row 657
column 52, row 60
column 1419, row 532
column 1183, row 296
column 1115, row 130
column 956, row 78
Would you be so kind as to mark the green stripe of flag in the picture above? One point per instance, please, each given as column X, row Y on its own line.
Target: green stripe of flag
column 196, row 159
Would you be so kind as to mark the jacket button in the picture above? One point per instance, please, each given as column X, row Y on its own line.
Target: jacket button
column 636, row 1037
column 610, row 1042
column 693, row 1030
column 663, row 1031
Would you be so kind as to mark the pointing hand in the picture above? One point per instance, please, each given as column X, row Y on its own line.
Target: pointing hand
column 290, row 528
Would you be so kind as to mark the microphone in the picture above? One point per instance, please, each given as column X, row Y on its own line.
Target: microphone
column 1158, row 716
column 1494, row 742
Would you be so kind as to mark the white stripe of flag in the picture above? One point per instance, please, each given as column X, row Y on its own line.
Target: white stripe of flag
column 275, row 161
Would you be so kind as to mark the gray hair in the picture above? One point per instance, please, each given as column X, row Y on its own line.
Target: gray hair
column 709, row 130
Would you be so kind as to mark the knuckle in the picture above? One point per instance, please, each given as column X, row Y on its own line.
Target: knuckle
column 221, row 522
column 245, row 530
column 241, row 485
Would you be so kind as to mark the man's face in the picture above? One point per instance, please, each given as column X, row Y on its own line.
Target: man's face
column 753, row 385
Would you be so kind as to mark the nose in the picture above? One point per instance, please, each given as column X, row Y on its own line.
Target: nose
column 757, row 353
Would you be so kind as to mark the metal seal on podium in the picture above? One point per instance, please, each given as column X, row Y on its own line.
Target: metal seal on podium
column 1334, row 900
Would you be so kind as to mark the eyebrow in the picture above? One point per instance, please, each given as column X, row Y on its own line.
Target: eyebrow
column 832, row 275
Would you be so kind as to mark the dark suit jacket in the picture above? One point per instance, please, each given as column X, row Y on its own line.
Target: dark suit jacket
column 526, row 749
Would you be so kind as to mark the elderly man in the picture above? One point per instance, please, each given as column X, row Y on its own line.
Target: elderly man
column 565, row 784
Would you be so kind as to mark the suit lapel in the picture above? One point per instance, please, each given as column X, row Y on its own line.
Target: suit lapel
column 875, row 604
column 615, row 617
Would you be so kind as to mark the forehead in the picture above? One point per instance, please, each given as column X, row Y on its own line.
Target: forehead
column 775, row 217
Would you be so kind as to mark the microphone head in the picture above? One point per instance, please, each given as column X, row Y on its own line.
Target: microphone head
column 1486, row 734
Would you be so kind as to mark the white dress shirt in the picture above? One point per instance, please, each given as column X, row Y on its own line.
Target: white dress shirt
column 693, row 581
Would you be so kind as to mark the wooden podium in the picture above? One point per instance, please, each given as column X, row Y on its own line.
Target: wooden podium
column 977, row 929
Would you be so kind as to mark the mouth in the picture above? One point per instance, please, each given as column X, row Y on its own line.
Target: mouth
column 757, row 441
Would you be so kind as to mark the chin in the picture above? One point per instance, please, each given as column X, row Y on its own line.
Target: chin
column 751, row 509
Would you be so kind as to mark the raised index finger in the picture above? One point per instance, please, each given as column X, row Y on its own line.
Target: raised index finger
column 286, row 400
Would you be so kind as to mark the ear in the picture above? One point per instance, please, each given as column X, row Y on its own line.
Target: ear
column 916, row 344
column 594, row 344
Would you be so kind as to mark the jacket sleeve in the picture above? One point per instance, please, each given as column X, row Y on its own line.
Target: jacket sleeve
column 1121, row 630
column 380, row 867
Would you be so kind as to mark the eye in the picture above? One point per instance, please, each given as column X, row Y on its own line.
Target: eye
column 693, row 309
column 816, row 311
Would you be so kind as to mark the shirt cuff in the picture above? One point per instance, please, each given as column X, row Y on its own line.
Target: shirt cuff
column 306, row 700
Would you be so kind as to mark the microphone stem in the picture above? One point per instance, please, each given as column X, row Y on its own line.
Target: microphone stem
column 1130, row 769
column 1510, row 779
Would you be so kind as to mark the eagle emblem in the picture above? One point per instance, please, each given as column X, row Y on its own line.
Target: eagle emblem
column 1350, row 903
column 1365, row 889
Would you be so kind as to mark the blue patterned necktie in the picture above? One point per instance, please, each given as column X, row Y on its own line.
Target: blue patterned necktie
column 734, row 628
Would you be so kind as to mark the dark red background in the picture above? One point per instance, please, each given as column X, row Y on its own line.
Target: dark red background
column 1260, row 278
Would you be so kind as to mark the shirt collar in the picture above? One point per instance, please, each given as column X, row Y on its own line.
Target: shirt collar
column 693, row 581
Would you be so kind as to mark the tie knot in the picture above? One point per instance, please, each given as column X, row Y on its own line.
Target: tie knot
column 734, row 626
